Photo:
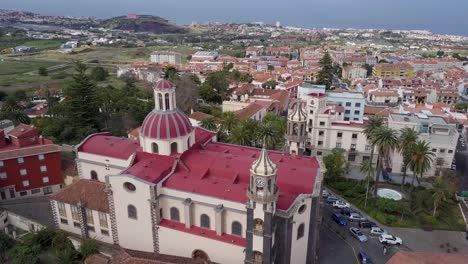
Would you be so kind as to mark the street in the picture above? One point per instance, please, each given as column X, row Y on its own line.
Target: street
column 338, row 246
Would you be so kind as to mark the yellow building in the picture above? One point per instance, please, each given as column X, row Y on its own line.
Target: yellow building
column 393, row 70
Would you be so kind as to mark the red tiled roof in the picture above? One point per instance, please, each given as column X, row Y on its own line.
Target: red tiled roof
column 249, row 111
column 21, row 130
column 151, row 167
column 12, row 152
column 407, row 257
column 104, row 144
column 348, row 124
column 317, row 94
column 202, row 135
column 89, row 192
column 203, row 232
column 166, row 125
column 163, row 84
column 199, row 115
column 223, row 171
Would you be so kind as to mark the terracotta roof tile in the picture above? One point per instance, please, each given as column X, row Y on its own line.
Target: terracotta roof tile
column 199, row 115
column 89, row 192
column 406, row 257
column 249, row 111
column 11, row 153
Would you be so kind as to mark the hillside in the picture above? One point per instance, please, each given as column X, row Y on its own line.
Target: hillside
column 143, row 23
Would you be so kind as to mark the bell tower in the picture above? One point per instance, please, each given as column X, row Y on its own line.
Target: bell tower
column 261, row 207
column 297, row 128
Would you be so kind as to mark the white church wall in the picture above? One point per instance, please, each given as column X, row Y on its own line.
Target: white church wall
column 299, row 246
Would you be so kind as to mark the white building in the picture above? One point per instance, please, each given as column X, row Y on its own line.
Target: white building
column 163, row 57
column 176, row 191
column 441, row 136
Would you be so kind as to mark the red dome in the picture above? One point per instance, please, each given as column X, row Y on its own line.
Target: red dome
column 163, row 84
column 166, row 125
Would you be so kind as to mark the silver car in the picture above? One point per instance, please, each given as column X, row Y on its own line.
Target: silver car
column 356, row 217
column 356, row 232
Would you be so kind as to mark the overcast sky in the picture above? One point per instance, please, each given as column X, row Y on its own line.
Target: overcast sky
column 443, row 16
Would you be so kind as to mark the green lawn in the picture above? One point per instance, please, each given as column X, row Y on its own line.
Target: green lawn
column 392, row 213
column 19, row 67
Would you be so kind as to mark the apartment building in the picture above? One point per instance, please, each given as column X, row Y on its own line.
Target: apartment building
column 353, row 103
column 168, row 57
column 396, row 70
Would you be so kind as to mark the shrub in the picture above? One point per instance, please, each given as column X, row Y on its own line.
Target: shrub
column 61, row 242
column 44, row 238
column 6, row 243
column 24, row 254
column 88, row 247
column 68, row 256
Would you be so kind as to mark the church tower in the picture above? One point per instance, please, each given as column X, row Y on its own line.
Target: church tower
column 166, row 130
column 261, row 207
column 297, row 130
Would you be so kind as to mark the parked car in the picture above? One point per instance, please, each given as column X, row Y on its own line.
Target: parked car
column 340, row 204
column 331, row 199
column 339, row 220
column 356, row 232
column 325, row 194
column 367, row 224
column 377, row 231
column 389, row 239
column 364, row 258
column 356, row 217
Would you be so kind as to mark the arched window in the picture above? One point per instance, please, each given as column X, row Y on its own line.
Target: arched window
column 258, row 257
column 167, row 101
column 160, row 102
column 204, row 221
column 132, row 211
column 175, row 214
column 94, row 175
column 236, row 228
column 188, row 142
column 155, row 148
column 259, row 224
column 300, row 231
column 173, row 100
column 174, row 148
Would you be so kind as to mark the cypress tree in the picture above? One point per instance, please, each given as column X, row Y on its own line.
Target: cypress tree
column 325, row 74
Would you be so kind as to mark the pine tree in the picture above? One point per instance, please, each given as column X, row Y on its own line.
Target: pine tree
column 325, row 75
column 82, row 110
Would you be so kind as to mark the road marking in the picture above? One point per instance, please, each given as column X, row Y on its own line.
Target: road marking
column 351, row 246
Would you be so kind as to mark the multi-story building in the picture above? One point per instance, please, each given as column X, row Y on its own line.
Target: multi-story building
column 327, row 130
column 396, row 70
column 353, row 103
column 227, row 203
column 352, row 72
column 29, row 164
column 163, row 57
column 383, row 97
column 441, row 136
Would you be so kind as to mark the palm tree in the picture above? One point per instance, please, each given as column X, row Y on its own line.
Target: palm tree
column 408, row 137
column 243, row 133
column 441, row 191
column 421, row 159
column 386, row 141
column 270, row 135
column 209, row 123
column 371, row 125
column 228, row 121
column 367, row 168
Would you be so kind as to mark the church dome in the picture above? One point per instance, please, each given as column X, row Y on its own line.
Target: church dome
column 263, row 166
column 297, row 114
column 163, row 84
column 166, row 125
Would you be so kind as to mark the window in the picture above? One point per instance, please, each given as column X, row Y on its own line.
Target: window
column 61, row 209
column 3, row 175
column 351, row 157
column 338, row 145
column 357, row 112
column 74, row 211
column 357, row 104
column 302, row 209
column 364, row 158
column 103, row 219
column 320, row 143
column 322, row 123
column 43, row 168
column 368, row 147
column 166, row 98
column 300, row 231
column 104, row 232
column 20, row 160
column 175, row 214
column 77, row 225
column 129, row 187
column 89, row 217
column 353, row 146
column 34, row 191
column 346, row 119
column 236, row 228
column 442, row 150
column 188, row 142
column 40, row 157
column 94, row 175
column 348, row 104
column 160, row 102
column 339, row 134
column 132, row 212
column 434, row 150
column 45, row 179
column 450, row 151
column 47, row 190
column 64, row 221
column 321, row 133
column 319, row 153
column 154, row 148
column 354, row 136
column 26, row 183
column 347, row 111
column 23, row 172
column 173, row 147
column 23, row 193
column 91, row 228
column 1, row 163
column 204, row 221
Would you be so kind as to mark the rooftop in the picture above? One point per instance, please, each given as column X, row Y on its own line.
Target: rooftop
column 407, row 257
column 417, row 118
column 91, row 193
column 104, row 144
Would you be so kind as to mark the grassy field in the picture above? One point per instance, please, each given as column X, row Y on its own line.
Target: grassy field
column 10, row 42
column 17, row 67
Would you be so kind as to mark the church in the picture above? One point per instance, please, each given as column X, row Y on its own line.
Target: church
column 176, row 191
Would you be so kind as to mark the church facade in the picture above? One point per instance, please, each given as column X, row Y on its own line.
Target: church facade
column 176, row 191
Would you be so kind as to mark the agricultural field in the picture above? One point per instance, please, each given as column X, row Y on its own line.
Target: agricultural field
column 17, row 67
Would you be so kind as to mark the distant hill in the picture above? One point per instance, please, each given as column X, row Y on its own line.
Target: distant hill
column 143, row 23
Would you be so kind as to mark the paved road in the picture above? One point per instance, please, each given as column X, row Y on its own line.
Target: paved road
column 338, row 246
column 36, row 208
